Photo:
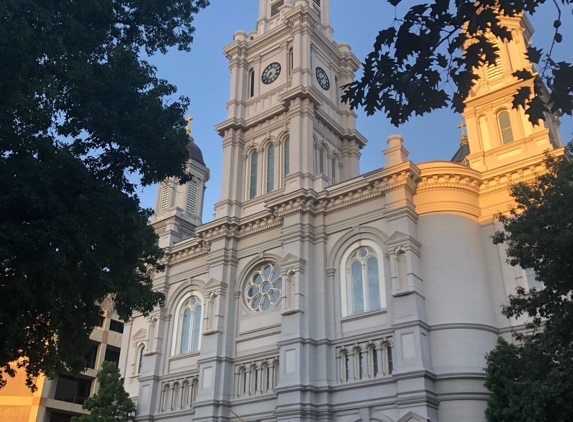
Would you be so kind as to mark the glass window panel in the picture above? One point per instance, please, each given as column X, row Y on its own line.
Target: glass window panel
column 266, row 303
column 532, row 283
column 373, row 284
column 276, row 273
column 321, row 160
column 256, row 302
column 253, row 175
column 287, row 156
column 257, row 279
column 279, row 284
column 505, row 127
column 140, row 366
column 197, row 327
column 357, row 288
column 186, row 326
column 267, row 272
column 270, row 168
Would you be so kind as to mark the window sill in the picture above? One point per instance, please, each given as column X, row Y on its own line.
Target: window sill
column 185, row 356
column 364, row 315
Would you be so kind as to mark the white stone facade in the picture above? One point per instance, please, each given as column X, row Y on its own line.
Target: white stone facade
column 317, row 293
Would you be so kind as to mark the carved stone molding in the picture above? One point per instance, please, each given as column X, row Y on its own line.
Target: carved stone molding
column 450, row 180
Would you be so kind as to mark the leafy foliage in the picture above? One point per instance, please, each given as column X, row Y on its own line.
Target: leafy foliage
column 81, row 117
column 434, row 50
column 533, row 380
column 111, row 403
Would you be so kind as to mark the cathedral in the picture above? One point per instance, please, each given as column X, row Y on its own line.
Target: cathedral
column 318, row 293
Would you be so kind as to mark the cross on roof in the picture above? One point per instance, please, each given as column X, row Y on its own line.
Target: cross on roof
column 188, row 128
column 463, row 126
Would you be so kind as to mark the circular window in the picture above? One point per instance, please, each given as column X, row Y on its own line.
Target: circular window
column 264, row 288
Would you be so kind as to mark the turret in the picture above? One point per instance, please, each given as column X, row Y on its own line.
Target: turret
column 179, row 207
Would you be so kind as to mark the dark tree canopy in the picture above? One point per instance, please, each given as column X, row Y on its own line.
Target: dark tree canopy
column 427, row 59
column 111, row 403
column 81, row 117
column 532, row 380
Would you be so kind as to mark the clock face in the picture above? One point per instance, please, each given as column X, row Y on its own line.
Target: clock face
column 271, row 73
column 322, row 78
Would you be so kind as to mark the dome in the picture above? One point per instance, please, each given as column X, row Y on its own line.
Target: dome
column 195, row 152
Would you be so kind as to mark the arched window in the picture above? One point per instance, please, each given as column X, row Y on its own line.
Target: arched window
column 265, row 377
column 190, row 325
column 358, row 363
column 165, row 400
column 270, row 168
column 362, row 280
column 253, row 168
column 322, row 159
column 336, row 90
column 175, row 403
column 243, row 382
column 139, row 362
column 185, row 401
column 254, row 381
column 388, row 361
column 334, row 175
column 291, row 60
column 194, row 390
column 344, row 361
column 372, row 361
column 505, row 127
column 286, row 157
column 276, row 374
column 251, row 83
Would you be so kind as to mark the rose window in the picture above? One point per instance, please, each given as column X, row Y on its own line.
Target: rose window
column 264, row 288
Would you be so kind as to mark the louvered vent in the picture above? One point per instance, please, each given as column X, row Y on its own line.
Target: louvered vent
column 192, row 198
column 317, row 3
column 495, row 71
column 165, row 196
column 275, row 5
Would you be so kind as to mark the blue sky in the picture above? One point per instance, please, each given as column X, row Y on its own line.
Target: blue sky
column 203, row 75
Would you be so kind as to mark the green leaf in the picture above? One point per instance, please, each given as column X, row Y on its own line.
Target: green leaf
column 521, row 96
column 534, row 54
column 523, row 74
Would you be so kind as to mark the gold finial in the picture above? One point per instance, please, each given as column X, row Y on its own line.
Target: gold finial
column 464, row 137
column 188, row 128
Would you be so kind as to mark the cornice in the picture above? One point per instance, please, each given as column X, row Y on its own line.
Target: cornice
column 483, row 98
column 447, row 175
column 201, row 247
column 522, row 171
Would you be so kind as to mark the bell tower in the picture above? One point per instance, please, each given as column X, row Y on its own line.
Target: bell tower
column 287, row 128
column 179, row 207
column 499, row 134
